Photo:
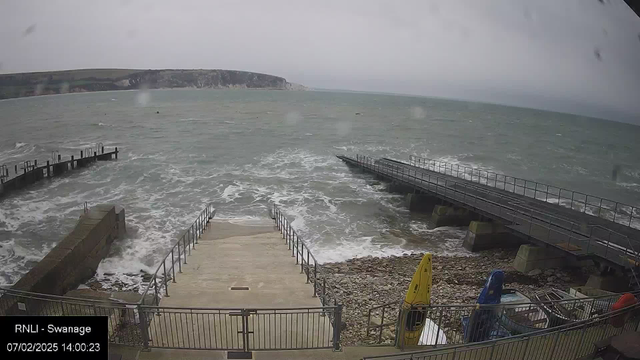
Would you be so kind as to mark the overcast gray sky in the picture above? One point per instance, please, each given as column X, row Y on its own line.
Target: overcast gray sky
column 541, row 53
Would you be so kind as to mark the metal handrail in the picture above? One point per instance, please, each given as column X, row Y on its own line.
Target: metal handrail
column 556, row 331
column 538, row 188
column 633, row 252
column 545, row 220
column 314, row 272
column 627, row 251
column 453, row 311
column 186, row 242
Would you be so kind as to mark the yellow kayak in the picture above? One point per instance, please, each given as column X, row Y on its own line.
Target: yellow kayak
column 419, row 293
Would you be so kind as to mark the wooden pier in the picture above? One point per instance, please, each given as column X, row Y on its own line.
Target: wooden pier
column 28, row 173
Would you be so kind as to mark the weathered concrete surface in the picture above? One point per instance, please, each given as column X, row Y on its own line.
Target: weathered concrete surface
column 75, row 259
column 488, row 235
column 533, row 257
column 450, row 216
column 609, row 283
column 229, row 255
column 421, row 202
column 257, row 258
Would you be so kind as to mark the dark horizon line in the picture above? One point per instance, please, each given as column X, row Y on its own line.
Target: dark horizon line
column 628, row 118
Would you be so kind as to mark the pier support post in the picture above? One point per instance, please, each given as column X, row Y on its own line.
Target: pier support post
column 533, row 257
column 420, row 202
column 487, row 235
column 399, row 188
column 450, row 216
column 611, row 283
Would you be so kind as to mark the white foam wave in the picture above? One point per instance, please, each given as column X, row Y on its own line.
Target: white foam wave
column 631, row 186
column 15, row 257
column 356, row 247
column 18, row 145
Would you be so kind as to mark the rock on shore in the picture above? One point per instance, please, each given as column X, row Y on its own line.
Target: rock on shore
column 362, row 283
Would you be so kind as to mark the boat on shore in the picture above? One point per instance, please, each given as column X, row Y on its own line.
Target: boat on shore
column 519, row 315
column 482, row 324
column 558, row 310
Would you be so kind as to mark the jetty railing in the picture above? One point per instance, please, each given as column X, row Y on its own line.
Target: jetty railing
column 593, row 205
column 549, row 228
column 232, row 329
column 241, row 329
column 570, row 341
column 456, row 324
column 315, row 273
column 165, row 273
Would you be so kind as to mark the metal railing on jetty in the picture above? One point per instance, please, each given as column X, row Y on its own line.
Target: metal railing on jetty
column 315, row 273
column 158, row 285
column 594, row 205
column 570, row 341
column 545, row 226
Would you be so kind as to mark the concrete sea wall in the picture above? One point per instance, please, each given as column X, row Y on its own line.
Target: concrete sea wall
column 75, row 259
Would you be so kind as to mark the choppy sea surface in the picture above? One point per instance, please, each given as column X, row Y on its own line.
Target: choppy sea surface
column 239, row 149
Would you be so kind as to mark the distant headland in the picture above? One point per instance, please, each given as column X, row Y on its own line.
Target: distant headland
column 86, row 80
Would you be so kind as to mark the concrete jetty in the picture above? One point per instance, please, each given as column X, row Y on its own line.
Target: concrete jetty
column 502, row 210
column 240, row 266
column 239, row 290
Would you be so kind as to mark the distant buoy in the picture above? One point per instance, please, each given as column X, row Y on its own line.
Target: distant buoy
column 157, row 112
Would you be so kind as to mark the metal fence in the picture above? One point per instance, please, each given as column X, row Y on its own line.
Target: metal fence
column 191, row 328
column 561, row 232
column 570, row 341
column 448, row 325
column 315, row 273
column 244, row 330
column 165, row 273
column 593, row 205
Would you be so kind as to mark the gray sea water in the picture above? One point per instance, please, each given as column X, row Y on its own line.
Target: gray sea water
column 241, row 148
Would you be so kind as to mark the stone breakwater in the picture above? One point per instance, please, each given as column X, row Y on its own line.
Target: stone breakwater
column 362, row 283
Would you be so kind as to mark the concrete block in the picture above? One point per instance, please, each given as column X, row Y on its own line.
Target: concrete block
column 399, row 188
column 487, row 235
column 420, row 202
column 533, row 257
column 609, row 283
column 450, row 216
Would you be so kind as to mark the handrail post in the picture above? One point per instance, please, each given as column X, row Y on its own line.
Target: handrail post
column 179, row 259
column 155, row 288
column 173, row 267
column 308, row 265
column 143, row 327
column 166, row 285
column 297, row 248
column 196, row 240
column 337, row 324
column 302, row 259
column 184, row 248
column 315, row 279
